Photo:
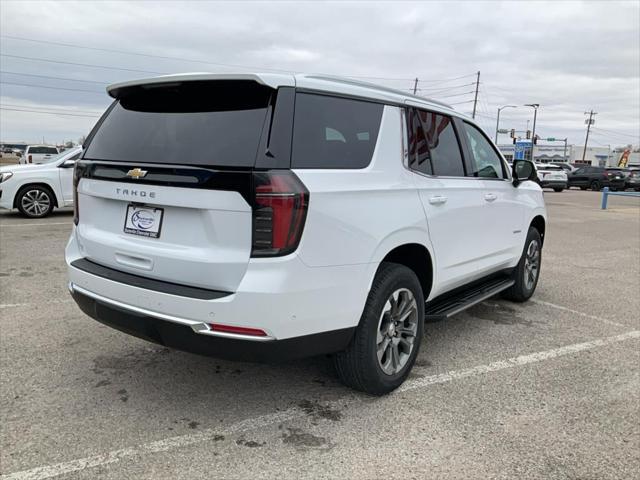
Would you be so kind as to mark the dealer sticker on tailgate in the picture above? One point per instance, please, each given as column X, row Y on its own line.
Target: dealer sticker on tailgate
column 143, row 221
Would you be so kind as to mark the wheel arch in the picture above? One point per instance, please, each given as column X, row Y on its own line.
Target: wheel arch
column 36, row 184
column 416, row 257
column 538, row 222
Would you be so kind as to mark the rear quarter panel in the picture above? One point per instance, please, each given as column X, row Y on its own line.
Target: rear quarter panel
column 358, row 216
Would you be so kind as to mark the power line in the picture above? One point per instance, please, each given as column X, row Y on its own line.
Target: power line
column 49, row 113
column 611, row 132
column 81, row 64
column 52, row 78
column 454, row 95
column 460, row 103
column 205, row 62
column 52, row 88
column 71, row 110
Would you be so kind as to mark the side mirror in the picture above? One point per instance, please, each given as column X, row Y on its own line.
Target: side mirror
column 68, row 164
column 523, row 170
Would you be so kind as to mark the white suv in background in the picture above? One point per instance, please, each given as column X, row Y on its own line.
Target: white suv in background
column 35, row 190
column 261, row 217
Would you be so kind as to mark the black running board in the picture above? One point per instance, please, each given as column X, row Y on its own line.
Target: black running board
column 440, row 309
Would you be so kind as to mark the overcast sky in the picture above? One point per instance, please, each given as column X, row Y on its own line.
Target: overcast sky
column 569, row 57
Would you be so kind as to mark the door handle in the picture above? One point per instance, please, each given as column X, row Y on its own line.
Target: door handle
column 490, row 197
column 437, row 200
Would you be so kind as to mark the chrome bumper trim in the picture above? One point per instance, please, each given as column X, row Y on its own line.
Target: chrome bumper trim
column 198, row 327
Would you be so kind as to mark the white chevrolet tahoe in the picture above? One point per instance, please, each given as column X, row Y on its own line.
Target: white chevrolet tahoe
column 267, row 217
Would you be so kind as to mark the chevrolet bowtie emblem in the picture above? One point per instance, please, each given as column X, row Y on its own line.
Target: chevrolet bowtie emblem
column 136, row 173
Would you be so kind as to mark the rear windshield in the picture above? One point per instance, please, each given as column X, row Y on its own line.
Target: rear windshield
column 194, row 123
column 550, row 167
column 46, row 150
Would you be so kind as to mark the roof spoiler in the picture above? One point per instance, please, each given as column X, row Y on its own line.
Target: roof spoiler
column 268, row 79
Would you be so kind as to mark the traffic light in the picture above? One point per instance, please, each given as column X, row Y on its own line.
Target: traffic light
column 528, row 134
column 513, row 133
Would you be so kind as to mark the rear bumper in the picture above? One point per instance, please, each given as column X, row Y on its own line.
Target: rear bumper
column 184, row 336
column 283, row 297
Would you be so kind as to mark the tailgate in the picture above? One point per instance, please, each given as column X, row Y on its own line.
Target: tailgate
column 204, row 238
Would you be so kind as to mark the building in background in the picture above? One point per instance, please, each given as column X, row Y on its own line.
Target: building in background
column 599, row 156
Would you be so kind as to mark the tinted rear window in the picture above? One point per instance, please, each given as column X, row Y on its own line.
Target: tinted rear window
column 46, row 150
column 332, row 132
column 194, row 123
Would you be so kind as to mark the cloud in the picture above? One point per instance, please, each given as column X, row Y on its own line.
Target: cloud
column 567, row 56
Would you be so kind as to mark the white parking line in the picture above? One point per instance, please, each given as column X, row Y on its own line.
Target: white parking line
column 2, row 225
column 48, row 302
column 171, row 443
column 576, row 312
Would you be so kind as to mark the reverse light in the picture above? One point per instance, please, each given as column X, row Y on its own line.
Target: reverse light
column 254, row 332
column 279, row 211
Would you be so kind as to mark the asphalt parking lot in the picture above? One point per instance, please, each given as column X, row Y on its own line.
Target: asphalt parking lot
column 549, row 388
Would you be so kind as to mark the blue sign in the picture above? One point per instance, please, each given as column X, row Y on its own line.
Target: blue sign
column 521, row 147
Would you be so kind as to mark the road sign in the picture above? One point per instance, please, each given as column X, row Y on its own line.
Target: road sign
column 551, row 139
column 503, row 130
column 520, row 148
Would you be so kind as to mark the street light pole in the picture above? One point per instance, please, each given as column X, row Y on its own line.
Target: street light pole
column 498, row 119
column 533, row 134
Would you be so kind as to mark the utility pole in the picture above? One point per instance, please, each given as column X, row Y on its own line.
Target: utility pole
column 588, row 122
column 415, row 86
column 475, row 100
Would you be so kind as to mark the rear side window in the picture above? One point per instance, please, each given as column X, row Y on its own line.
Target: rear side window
column 193, row 123
column 332, row 132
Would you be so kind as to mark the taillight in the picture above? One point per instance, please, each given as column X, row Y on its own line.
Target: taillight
column 30, row 159
column 77, row 174
column 279, row 211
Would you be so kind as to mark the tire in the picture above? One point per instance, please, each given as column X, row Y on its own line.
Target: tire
column 558, row 189
column 583, row 188
column 595, row 186
column 359, row 366
column 35, row 201
column 523, row 289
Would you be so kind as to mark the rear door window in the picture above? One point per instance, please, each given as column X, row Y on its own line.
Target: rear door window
column 193, row 123
column 419, row 159
column 334, row 132
column 444, row 150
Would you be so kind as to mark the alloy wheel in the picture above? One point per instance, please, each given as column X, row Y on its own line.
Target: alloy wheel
column 397, row 330
column 531, row 264
column 36, row 202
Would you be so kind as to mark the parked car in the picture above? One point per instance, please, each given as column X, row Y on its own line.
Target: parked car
column 633, row 180
column 38, row 154
column 551, row 176
column 239, row 230
column 567, row 167
column 35, row 190
column 596, row 178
